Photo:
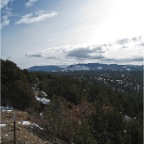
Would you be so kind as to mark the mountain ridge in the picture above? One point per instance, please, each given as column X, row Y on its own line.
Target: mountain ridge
column 85, row 67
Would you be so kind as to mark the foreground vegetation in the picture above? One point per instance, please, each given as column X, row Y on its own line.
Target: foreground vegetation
column 85, row 107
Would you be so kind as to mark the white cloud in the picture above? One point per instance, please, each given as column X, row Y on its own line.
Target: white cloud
column 30, row 3
column 40, row 16
column 6, row 14
column 10, row 57
column 4, row 3
column 86, row 52
column 5, row 21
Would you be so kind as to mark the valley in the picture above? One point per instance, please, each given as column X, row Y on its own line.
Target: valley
column 81, row 107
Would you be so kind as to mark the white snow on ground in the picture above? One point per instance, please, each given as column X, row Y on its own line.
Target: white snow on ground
column 44, row 93
column 38, row 99
column 4, row 108
column 26, row 123
column 9, row 110
column 19, row 122
column 127, row 118
column 43, row 100
column 36, row 125
column 2, row 125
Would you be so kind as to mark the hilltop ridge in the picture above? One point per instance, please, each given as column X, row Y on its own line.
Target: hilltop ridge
column 85, row 67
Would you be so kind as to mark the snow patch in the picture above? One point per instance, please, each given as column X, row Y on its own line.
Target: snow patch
column 44, row 93
column 43, row 100
column 127, row 118
column 6, row 108
column 36, row 125
column 2, row 125
column 19, row 122
column 26, row 123
column 78, row 68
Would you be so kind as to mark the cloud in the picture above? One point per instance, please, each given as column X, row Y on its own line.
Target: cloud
column 73, row 52
column 127, row 43
column 109, row 52
column 6, row 14
column 99, row 57
column 122, row 41
column 30, row 3
column 4, row 3
column 79, row 53
column 5, row 21
column 86, row 52
column 40, row 16
column 51, row 57
column 137, row 38
column 124, row 60
column 141, row 44
column 10, row 57
column 138, row 59
column 34, row 55
column 106, row 45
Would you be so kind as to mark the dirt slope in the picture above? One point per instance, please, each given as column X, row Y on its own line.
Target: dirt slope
column 23, row 133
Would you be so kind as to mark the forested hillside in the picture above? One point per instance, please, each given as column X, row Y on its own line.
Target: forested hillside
column 15, row 86
column 84, row 107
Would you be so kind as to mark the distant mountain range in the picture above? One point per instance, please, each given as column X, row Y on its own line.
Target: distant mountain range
column 85, row 67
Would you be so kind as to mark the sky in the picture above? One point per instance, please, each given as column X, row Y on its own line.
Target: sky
column 63, row 32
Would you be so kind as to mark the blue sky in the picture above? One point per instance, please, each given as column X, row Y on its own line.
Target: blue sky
column 46, row 32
